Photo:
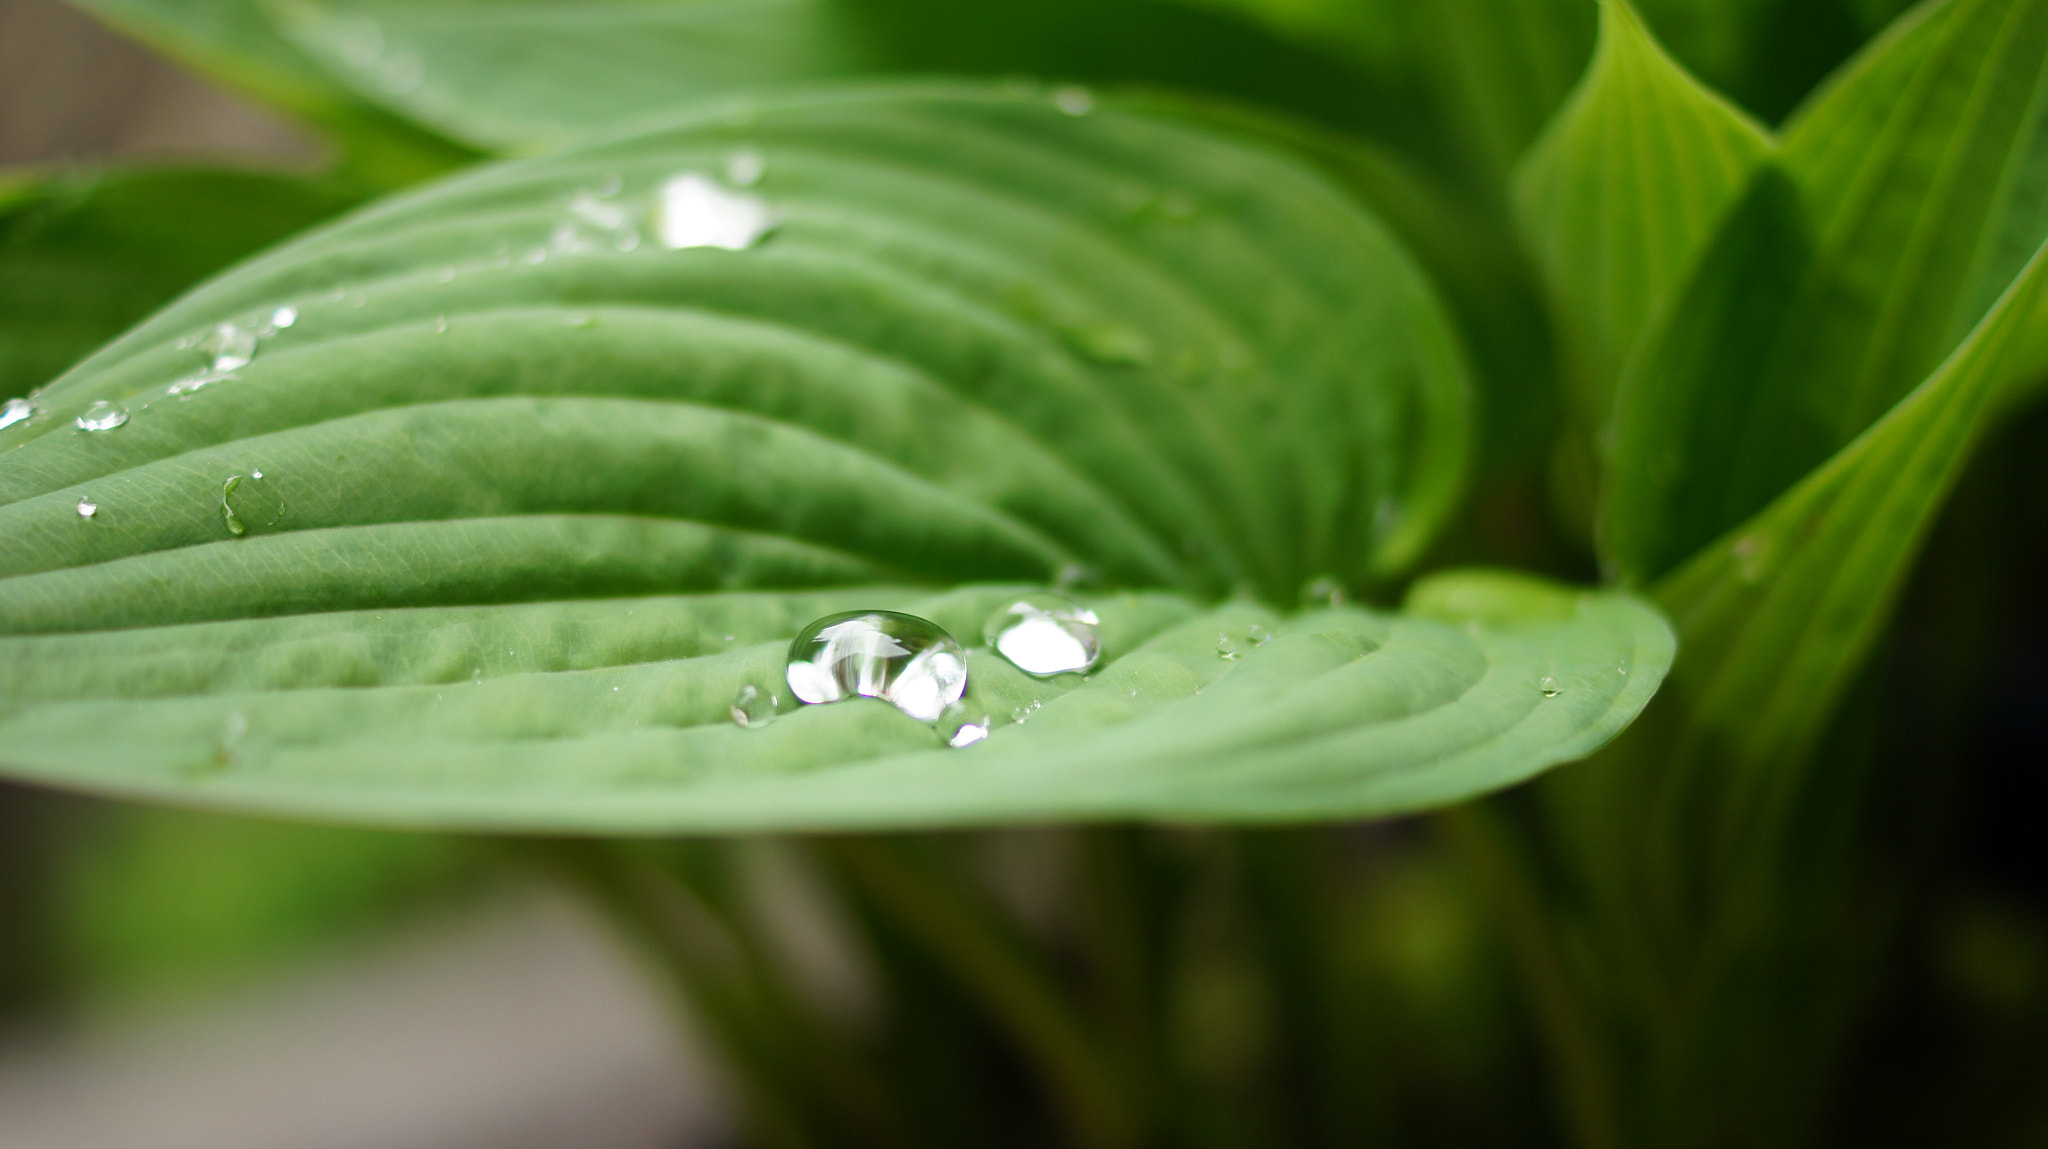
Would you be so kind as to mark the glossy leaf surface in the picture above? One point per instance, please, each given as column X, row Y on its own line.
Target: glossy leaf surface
column 1905, row 198
column 521, row 508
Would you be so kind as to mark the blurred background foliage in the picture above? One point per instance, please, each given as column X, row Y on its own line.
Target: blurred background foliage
column 1340, row 985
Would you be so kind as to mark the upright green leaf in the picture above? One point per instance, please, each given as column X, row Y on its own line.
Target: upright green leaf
column 1904, row 199
column 84, row 255
column 532, row 74
column 1501, row 67
column 530, row 472
column 1779, row 614
column 1621, row 194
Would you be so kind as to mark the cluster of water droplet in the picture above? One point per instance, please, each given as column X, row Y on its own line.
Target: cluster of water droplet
column 914, row 665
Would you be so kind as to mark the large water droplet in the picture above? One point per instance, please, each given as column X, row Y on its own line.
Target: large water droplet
column 15, row 411
column 1550, row 687
column 902, row 659
column 696, row 211
column 87, row 508
column 102, row 416
column 228, row 346
column 754, row 706
column 1045, row 634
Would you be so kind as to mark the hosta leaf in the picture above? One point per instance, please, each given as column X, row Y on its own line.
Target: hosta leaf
column 1779, row 614
column 1903, row 200
column 531, row 74
column 84, row 255
column 500, row 515
column 1619, row 197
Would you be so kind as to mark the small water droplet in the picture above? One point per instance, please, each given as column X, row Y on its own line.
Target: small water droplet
column 609, row 186
column 1226, row 646
column 1550, row 687
column 1621, row 670
column 907, row 661
column 1045, row 634
column 753, row 707
column 744, row 168
column 1259, row 635
column 627, row 240
column 233, row 729
column 15, row 411
column 102, row 416
column 258, row 475
column 87, row 508
column 1074, row 100
column 1323, row 592
column 695, row 211
column 227, row 347
column 1022, row 714
column 283, row 317
column 960, row 726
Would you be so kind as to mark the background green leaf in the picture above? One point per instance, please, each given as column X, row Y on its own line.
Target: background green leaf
column 83, row 255
column 523, row 507
column 1903, row 201
column 1619, row 197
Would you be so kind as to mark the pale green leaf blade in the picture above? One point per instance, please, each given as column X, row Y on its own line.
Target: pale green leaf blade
column 1778, row 615
column 498, row 517
column 1619, row 197
column 1903, row 200
column 377, row 717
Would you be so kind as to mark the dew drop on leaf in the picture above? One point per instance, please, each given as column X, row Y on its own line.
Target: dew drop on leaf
column 87, row 508
column 102, row 416
column 1550, row 687
column 753, row 707
column 906, row 661
column 1226, row 646
column 960, row 726
column 1259, row 635
column 695, row 211
column 1045, row 634
column 15, row 411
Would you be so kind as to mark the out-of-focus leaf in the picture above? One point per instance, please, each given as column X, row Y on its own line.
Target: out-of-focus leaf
column 533, row 74
column 1903, row 200
column 1778, row 614
column 85, row 255
column 538, row 494
column 1622, row 192
column 237, row 42
column 1501, row 68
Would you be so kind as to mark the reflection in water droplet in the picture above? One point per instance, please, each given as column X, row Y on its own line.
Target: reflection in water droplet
column 1259, row 635
column 1226, row 646
column 902, row 659
column 744, row 168
column 696, row 212
column 87, row 508
column 15, row 411
column 1045, row 634
column 960, row 726
column 754, row 707
column 1074, row 100
column 1550, row 687
column 1323, row 592
column 102, row 416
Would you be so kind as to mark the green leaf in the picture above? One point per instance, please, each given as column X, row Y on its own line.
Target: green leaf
column 514, row 573
column 1779, row 614
column 84, row 255
column 529, row 75
column 1621, row 194
column 1904, row 199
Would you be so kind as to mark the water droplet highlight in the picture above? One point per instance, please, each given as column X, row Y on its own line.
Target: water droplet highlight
column 1074, row 100
column 754, row 707
column 1045, row 634
column 960, row 726
column 695, row 211
column 15, row 411
column 906, row 661
column 1550, row 687
column 282, row 318
column 102, row 416
column 1226, row 646
column 87, row 508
